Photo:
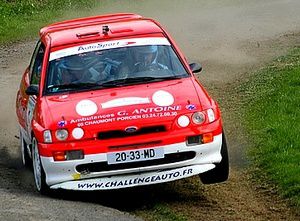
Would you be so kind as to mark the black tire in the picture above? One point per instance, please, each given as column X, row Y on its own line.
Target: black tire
column 25, row 158
column 38, row 171
column 221, row 172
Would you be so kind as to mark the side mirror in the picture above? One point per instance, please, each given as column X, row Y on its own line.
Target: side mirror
column 195, row 67
column 32, row 90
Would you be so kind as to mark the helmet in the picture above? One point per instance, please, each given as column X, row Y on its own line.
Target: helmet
column 72, row 63
column 147, row 49
column 70, row 69
column 146, row 54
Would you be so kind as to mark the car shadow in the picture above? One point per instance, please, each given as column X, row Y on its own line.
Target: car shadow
column 138, row 198
column 16, row 178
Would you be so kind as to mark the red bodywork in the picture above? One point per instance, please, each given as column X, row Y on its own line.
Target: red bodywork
column 49, row 110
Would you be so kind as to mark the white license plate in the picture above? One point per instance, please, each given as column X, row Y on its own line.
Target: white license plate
column 135, row 155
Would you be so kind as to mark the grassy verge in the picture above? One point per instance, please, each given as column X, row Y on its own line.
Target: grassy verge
column 162, row 212
column 21, row 19
column 272, row 118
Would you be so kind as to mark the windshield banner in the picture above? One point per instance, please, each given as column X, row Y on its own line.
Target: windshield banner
column 108, row 45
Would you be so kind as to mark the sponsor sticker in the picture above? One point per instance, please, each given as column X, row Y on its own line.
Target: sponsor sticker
column 162, row 98
column 30, row 110
column 118, row 182
column 62, row 123
column 125, row 115
column 190, row 107
column 86, row 108
column 108, row 45
column 126, row 101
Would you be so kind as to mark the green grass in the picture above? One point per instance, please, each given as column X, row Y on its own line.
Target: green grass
column 161, row 212
column 272, row 119
column 22, row 19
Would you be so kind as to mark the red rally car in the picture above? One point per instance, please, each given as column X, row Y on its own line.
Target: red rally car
column 110, row 102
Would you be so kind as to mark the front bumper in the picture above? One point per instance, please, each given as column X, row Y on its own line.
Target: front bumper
column 63, row 174
column 125, row 181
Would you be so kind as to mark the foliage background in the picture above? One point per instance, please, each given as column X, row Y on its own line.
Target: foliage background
column 21, row 19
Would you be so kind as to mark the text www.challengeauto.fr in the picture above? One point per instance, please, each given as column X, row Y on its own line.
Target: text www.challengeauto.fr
column 135, row 181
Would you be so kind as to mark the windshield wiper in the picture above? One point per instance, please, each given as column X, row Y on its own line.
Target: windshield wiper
column 126, row 81
column 113, row 83
column 74, row 86
column 166, row 78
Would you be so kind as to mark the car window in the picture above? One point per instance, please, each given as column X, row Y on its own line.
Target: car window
column 37, row 63
column 113, row 65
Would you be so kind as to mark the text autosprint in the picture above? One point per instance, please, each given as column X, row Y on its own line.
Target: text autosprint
column 98, row 46
column 135, row 181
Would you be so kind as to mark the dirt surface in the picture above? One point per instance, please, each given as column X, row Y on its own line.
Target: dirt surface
column 231, row 39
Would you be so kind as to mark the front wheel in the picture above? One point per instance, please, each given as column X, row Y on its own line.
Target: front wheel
column 38, row 171
column 221, row 171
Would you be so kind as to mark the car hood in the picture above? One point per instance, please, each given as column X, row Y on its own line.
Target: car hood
column 159, row 102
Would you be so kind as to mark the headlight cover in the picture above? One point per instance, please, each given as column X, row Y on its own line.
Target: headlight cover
column 198, row 118
column 211, row 115
column 47, row 136
column 61, row 134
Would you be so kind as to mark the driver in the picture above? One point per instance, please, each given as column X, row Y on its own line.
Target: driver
column 147, row 59
column 74, row 71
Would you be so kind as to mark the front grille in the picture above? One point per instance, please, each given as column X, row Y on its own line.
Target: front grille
column 103, row 135
column 137, row 145
column 103, row 166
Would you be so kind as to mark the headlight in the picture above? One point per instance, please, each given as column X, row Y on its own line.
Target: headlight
column 47, row 136
column 198, row 117
column 183, row 121
column 77, row 133
column 61, row 134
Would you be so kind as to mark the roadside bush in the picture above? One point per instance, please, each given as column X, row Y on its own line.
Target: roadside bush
column 21, row 19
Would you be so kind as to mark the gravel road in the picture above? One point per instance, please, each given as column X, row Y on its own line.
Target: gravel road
column 230, row 39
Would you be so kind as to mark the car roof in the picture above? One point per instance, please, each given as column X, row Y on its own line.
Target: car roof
column 91, row 28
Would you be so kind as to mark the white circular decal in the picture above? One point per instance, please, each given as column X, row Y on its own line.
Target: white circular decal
column 183, row 121
column 86, row 108
column 77, row 133
column 162, row 98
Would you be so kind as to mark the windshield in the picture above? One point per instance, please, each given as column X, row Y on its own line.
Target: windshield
column 113, row 67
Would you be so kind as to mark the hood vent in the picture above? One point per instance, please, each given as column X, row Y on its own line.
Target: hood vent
column 88, row 34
